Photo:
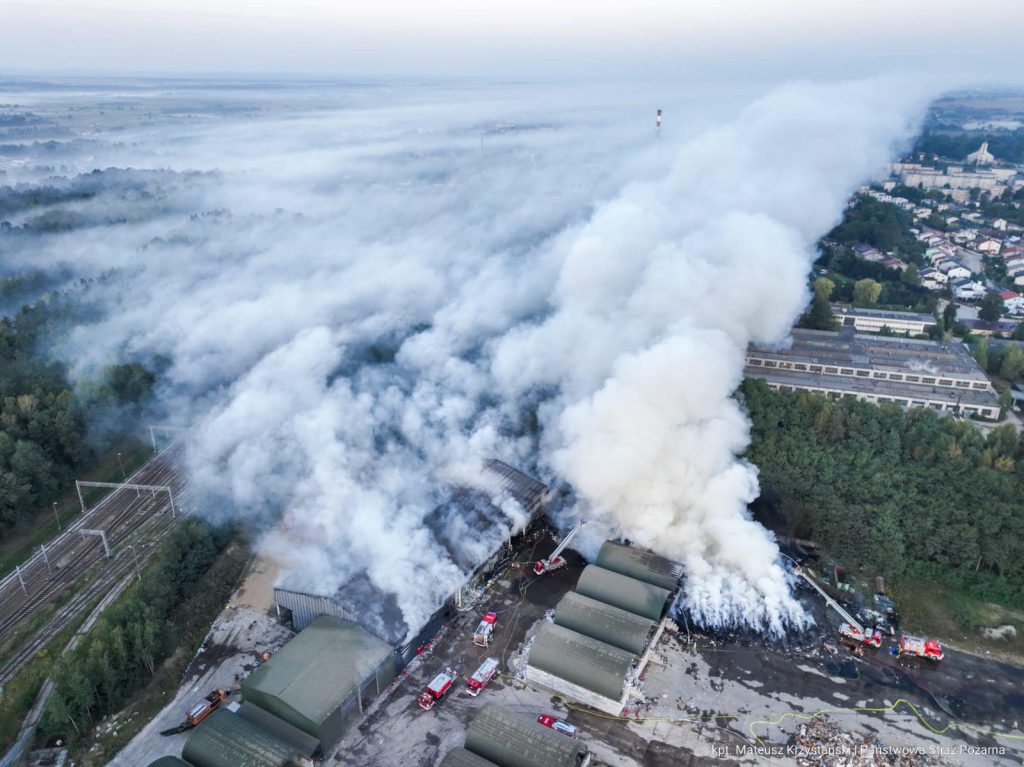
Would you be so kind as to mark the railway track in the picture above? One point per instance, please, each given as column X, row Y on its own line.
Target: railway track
column 127, row 517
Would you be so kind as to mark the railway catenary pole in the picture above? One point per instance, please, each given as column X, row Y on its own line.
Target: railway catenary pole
column 17, row 569
column 46, row 559
column 56, row 515
column 103, row 537
column 130, row 486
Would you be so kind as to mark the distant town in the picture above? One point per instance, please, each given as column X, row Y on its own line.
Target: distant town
column 929, row 255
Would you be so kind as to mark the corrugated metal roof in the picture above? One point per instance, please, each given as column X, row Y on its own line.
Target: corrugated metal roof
column 529, row 492
column 582, row 660
column 642, row 565
column 319, row 669
column 169, row 761
column 460, row 757
column 510, row 740
column 603, row 622
column 224, row 739
column 304, row 743
column 622, row 591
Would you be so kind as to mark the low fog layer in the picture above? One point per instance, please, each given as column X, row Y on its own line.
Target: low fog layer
column 362, row 296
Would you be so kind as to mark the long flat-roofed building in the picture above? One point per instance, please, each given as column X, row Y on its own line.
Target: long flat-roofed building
column 904, row 371
column 873, row 320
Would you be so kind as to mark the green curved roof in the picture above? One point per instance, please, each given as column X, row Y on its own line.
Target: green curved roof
column 169, row 761
column 307, row 680
column 642, row 565
column 577, row 658
column 224, row 739
column 510, row 740
column 460, row 757
column 597, row 620
column 623, row 592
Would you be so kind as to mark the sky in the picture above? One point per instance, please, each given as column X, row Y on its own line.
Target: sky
column 659, row 39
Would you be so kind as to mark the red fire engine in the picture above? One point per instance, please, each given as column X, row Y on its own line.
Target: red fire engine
column 437, row 689
column 482, row 676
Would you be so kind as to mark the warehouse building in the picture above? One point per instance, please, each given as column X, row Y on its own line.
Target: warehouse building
column 602, row 633
column 169, row 761
column 908, row 372
column 224, row 739
column 482, row 518
column 499, row 738
column 611, row 625
column 323, row 678
column 623, row 591
column 642, row 565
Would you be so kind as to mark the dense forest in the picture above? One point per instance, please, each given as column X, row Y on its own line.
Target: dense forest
column 44, row 437
column 898, row 491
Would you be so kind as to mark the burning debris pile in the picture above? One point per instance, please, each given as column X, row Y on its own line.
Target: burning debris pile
column 820, row 743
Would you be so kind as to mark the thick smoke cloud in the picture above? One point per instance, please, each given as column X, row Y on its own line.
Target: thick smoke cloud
column 360, row 305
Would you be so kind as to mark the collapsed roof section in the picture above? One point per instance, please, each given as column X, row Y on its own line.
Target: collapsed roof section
column 470, row 527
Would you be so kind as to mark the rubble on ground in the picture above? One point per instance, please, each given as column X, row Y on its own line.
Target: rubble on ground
column 820, row 743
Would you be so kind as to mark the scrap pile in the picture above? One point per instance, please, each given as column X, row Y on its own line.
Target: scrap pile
column 820, row 743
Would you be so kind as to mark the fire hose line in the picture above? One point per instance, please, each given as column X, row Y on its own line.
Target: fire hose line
column 790, row 714
column 612, row 717
column 885, row 710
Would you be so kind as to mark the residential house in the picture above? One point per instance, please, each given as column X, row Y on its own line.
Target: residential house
column 1000, row 224
column 869, row 253
column 988, row 246
column 1013, row 303
column 968, row 290
column 953, row 270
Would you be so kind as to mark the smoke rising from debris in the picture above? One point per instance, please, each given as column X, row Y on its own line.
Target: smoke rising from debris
column 360, row 305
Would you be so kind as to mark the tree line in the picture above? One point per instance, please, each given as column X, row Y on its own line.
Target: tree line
column 898, row 491
column 135, row 635
column 44, row 435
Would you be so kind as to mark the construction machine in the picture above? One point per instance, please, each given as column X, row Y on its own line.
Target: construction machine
column 210, row 703
column 556, row 560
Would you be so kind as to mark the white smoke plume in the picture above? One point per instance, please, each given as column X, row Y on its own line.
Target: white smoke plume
column 359, row 304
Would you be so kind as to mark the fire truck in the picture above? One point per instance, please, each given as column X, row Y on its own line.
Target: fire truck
column 482, row 676
column 482, row 635
column 556, row 560
column 918, row 647
column 437, row 689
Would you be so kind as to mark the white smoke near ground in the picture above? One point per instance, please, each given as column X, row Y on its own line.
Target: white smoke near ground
column 354, row 324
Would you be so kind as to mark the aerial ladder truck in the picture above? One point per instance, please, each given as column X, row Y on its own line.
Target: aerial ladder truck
column 851, row 631
column 556, row 560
